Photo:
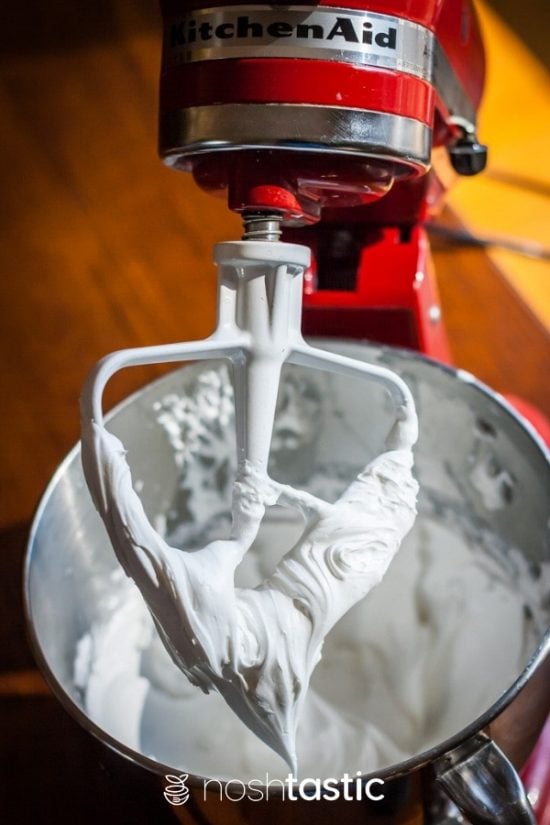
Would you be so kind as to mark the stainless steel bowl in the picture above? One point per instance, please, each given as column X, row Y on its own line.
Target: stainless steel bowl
column 462, row 422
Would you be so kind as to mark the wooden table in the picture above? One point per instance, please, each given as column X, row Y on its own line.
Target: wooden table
column 102, row 247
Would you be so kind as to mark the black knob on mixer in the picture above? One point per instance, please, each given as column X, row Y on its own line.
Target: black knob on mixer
column 468, row 157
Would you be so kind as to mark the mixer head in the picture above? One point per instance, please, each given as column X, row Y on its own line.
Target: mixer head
column 320, row 106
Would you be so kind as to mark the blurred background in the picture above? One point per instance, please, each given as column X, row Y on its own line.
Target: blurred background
column 101, row 247
column 530, row 22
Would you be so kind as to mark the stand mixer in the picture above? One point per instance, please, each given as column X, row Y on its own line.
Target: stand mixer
column 318, row 122
column 334, row 132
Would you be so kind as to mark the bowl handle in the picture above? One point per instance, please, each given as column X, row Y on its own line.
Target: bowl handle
column 484, row 784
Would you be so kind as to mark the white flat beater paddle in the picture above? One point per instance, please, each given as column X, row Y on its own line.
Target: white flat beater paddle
column 258, row 646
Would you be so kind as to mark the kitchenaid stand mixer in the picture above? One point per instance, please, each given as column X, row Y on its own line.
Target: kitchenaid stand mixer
column 320, row 123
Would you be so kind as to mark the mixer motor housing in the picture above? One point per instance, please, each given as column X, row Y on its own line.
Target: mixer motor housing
column 345, row 121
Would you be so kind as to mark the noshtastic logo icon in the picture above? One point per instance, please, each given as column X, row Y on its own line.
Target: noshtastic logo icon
column 176, row 791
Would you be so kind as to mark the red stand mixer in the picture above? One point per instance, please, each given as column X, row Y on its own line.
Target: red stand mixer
column 339, row 130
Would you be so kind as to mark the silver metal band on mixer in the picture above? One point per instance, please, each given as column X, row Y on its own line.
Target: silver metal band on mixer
column 294, row 126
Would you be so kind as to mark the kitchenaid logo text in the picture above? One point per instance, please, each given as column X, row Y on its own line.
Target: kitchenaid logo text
column 339, row 28
column 346, row 35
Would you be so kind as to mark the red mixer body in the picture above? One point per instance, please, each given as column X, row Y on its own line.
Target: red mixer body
column 330, row 115
column 291, row 75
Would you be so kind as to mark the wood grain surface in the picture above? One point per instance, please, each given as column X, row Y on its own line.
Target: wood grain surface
column 512, row 198
column 101, row 248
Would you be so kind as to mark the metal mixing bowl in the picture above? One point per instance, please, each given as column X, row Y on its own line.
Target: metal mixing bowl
column 463, row 426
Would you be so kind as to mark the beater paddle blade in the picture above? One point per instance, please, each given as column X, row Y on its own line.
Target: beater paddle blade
column 257, row 646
